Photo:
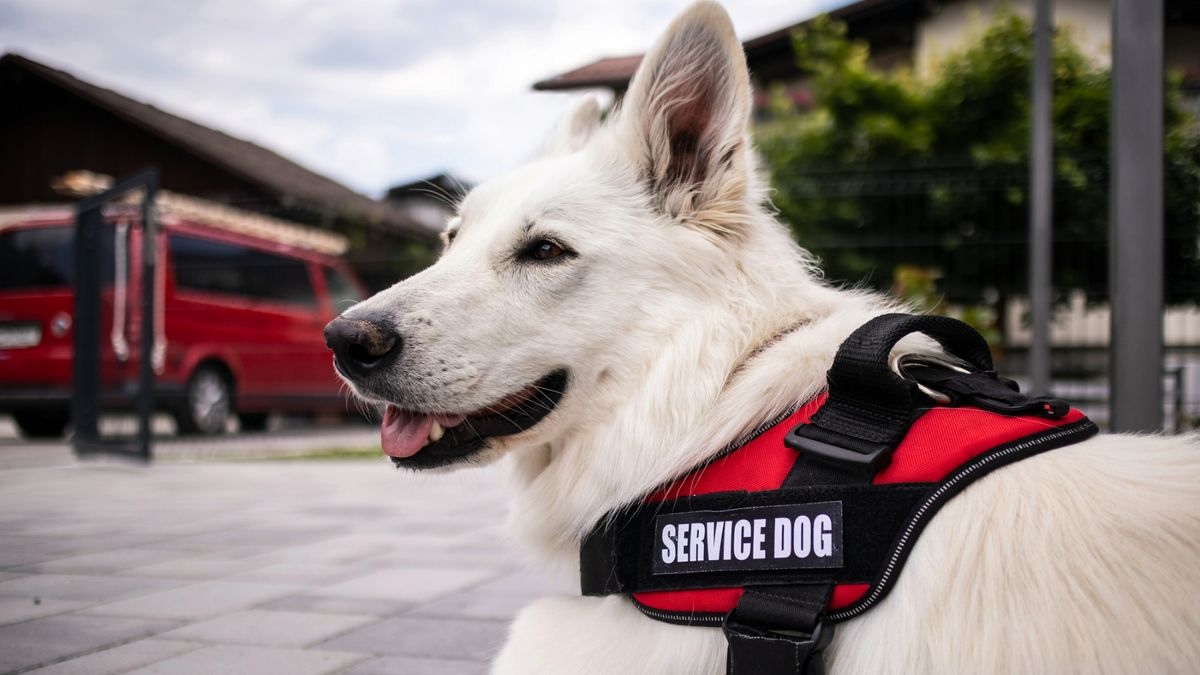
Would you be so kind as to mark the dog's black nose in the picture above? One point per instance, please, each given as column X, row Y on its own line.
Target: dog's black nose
column 362, row 344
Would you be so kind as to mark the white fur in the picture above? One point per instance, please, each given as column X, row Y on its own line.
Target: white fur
column 1083, row 560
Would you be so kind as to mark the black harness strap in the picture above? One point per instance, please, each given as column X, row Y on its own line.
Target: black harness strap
column 778, row 629
column 870, row 408
column 849, row 440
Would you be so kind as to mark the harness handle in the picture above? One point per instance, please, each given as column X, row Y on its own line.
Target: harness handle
column 870, row 407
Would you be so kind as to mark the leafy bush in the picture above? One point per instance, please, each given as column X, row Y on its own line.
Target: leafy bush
column 887, row 169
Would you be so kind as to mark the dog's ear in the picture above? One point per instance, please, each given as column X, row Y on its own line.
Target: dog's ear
column 686, row 120
column 576, row 128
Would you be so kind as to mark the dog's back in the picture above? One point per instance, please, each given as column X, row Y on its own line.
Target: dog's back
column 1079, row 560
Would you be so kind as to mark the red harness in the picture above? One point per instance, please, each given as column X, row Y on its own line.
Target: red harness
column 808, row 521
column 940, row 441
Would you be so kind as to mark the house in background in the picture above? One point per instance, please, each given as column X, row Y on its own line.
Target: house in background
column 53, row 123
column 916, row 34
column 429, row 201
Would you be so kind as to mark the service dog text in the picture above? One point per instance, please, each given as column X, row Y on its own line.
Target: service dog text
column 768, row 537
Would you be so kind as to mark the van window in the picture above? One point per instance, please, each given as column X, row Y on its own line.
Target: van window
column 342, row 292
column 217, row 267
column 44, row 257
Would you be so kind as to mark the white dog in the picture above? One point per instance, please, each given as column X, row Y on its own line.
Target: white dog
column 632, row 280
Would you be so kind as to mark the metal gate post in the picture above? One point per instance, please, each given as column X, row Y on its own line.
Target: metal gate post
column 87, row 391
column 1136, row 213
column 85, row 372
column 145, row 402
column 1041, row 203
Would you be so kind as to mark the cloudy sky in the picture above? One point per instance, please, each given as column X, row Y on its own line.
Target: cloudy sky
column 370, row 92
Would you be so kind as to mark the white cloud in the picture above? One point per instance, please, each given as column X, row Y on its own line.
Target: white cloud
column 370, row 92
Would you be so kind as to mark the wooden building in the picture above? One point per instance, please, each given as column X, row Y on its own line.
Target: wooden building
column 53, row 123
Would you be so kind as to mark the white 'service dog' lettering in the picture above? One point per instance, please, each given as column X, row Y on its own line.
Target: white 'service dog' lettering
column 793, row 536
column 704, row 540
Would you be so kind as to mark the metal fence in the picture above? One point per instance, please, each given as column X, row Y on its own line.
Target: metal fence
column 953, row 238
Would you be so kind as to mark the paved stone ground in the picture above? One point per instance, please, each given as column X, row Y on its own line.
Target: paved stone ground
column 297, row 567
column 281, row 441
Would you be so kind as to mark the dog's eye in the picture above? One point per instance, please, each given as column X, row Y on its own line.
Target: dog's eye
column 544, row 249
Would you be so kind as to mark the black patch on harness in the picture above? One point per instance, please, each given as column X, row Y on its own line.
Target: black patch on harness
column 793, row 536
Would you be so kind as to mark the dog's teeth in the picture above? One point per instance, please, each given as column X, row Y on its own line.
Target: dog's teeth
column 435, row 432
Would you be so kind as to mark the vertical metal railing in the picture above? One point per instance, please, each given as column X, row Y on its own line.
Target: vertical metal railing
column 957, row 221
column 1136, row 231
column 1041, row 203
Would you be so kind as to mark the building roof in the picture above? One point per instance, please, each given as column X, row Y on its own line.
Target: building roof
column 614, row 73
column 276, row 174
column 442, row 185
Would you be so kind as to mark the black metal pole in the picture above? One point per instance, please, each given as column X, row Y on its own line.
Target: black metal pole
column 87, row 392
column 85, row 373
column 1041, row 203
column 145, row 402
column 1136, row 233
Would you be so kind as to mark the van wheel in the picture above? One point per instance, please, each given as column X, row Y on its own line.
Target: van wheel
column 208, row 404
column 252, row 421
column 49, row 423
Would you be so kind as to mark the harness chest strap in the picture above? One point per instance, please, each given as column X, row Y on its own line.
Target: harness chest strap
column 808, row 522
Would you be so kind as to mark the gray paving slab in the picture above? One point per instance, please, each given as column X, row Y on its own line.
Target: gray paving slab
column 193, row 569
column 13, row 610
column 442, row 558
column 195, row 601
column 263, row 567
column 43, row 539
column 33, row 544
column 529, row 582
column 458, row 639
column 92, row 588
column 120, row 659
column 55, row 638
column 13, row 557
column 244, row 660
column 408, row 665
column 473, row 604
column 332, row 605
column 348, row 548
column 246, row 537
column 296, row 573
column 271, row 628
column 102, row 562
column 406, row 584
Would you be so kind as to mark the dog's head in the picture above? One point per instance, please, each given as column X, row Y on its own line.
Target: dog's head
column 556, row 277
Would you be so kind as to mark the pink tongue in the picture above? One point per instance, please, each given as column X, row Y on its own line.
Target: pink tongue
column 403, row 433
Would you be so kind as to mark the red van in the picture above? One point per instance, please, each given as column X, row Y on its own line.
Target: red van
column 241, row 300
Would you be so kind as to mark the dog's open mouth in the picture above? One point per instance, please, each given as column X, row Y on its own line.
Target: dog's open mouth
column 422, row 441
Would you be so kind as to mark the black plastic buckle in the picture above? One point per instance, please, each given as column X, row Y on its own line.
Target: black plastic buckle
column 753, row 651
column 870, row 457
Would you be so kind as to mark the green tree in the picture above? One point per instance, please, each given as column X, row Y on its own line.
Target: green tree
column 887, row 170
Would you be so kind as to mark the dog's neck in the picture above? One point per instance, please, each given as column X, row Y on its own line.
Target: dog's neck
column 710, row 380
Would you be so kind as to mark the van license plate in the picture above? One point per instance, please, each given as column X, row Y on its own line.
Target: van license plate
column 21, row 335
